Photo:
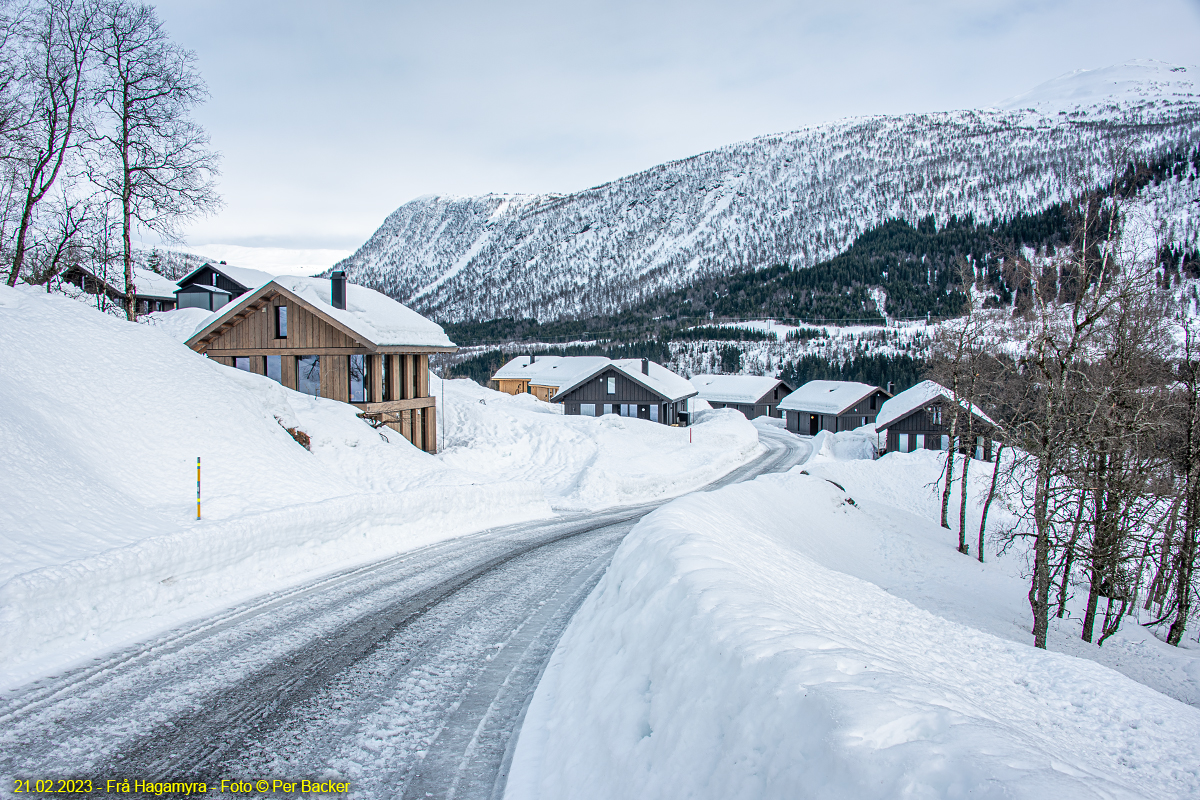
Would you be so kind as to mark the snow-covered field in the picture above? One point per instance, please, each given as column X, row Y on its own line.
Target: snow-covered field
column 103, row 421
column 775, row 639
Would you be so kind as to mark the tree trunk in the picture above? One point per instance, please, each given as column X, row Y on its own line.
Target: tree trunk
column 1069, row 558
column 963, row 547
column 1039, row 586
column 990, row 496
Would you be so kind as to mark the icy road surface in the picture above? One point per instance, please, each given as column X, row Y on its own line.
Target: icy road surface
column 407, row 677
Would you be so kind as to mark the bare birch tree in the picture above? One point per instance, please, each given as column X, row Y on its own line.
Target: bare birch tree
column 154, row 162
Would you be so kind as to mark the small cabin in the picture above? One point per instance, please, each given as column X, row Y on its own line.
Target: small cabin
column 151, row 291
column 543, row 376
column 753, row 395
column 919, row 419
column 333, row 339
column 832, row 406
column 212, row 286
column 630, row 387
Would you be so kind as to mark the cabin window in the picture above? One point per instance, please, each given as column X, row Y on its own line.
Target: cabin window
column 281, row 322
column 360, row 379
column 654, row 416
column 308, row 375
column 612, row 385
column 242, row 362
column 873, row 399
column 935, row 414
column 979, row 448
column 386, row 360
column 275, row 368
column 944, row 444
column 607, row 408
column 587, row 409
column 920, row 445
column 902, row 442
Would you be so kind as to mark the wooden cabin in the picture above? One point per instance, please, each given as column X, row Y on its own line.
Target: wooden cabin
column 341, row 341
column 543, row 376
column 212, row 286
column 919, row 419
column 151, row 292
column 832, row 406
column 630, row 387
column 753, row 395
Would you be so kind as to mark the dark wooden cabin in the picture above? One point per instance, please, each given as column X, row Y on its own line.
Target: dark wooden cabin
column 336, row 340
column 919, row 419
column 211, row 286
column 631, row 388
column 151, row 291
column 832, row 406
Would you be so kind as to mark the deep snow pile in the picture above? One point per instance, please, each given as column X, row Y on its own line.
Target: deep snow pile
column 772, row 639
column 103, row 421
column 587, row 462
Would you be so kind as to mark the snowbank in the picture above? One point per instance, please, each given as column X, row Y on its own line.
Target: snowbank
column 844, row 445
column 727, row 653
column 584, row 463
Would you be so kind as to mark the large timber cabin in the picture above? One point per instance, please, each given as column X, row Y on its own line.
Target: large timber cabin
column 919, row 419
column 832, row 406
column 337, row 340
column 753, row 395
column 544, row 376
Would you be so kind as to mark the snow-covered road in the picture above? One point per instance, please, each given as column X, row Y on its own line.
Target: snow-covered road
column 407, row 677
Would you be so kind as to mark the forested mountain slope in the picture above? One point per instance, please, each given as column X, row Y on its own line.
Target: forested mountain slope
column 795, row 199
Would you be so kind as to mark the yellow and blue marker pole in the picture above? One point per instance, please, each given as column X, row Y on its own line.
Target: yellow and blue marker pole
column 197, row 487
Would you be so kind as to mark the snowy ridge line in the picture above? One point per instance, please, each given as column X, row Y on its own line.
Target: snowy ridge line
column 223, row 561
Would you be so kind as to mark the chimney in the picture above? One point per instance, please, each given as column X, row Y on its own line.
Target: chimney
column 532, row 357
column 891, row 387
column 337, row 280
column 645, row 366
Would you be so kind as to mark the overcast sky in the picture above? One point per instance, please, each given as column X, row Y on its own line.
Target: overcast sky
column 331, row 115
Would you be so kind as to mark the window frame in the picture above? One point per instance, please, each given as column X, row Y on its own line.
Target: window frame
column 281, row 321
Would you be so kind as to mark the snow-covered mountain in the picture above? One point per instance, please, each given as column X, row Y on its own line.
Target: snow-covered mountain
column 794, row 198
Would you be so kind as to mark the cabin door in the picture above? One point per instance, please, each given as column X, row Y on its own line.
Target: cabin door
column 814, row 424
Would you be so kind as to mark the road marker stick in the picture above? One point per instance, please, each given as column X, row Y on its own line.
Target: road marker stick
column 197, row 487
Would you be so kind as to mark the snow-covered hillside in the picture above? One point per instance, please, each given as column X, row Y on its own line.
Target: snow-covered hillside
column 795, row 198
column 98, row 523
column 791, row 637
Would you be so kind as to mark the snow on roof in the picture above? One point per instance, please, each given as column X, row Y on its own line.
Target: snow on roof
column 250, row 278
column 662, row 380
column 733, row 388
column 911, row 399
column 372, row 316
column 148, row 283
column 826, row 397
column 556, row 371
column 202, row 287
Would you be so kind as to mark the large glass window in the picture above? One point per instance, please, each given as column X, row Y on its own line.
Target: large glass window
column 387, row 377
column 281, row 322
column 308, row 375
column 654, row 413
column 920, row 445
column 275, row 368
column 242, row 362
column 587, row 409
column 360, row 380
column 902, row 442
column 612, row 385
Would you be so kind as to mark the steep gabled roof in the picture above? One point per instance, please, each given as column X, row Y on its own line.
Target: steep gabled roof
column 745, row 389
column 827, row 397
column 371, row 318
column 920, row 395
column 661, row 380
column 249, row 278
column 556, row 371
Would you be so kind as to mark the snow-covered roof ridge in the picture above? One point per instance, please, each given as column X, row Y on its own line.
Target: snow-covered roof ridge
column 149, row 283
column 373, row 317
column 250, row 278
column 827, row 397
column 660, row 379
column 733, row 388
column 913, row 398
column 556, row 371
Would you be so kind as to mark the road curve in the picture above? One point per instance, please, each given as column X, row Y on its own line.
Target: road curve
column 407, row 677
